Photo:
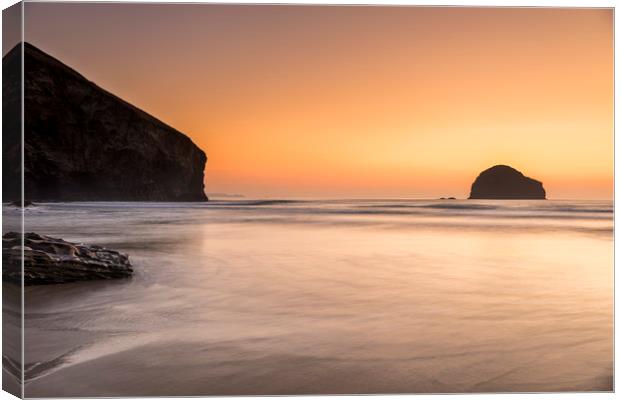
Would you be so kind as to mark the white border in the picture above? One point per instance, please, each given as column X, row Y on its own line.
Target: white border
column 475, row 3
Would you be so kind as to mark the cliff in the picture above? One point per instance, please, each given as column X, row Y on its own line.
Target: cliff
column 82, row 143
column 504, row 182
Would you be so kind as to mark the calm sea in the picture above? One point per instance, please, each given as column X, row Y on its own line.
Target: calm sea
column 356, row 296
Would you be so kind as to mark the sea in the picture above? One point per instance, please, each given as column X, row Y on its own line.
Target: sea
column 275, row 297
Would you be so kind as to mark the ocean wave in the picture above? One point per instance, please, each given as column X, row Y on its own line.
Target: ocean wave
column 255, row 202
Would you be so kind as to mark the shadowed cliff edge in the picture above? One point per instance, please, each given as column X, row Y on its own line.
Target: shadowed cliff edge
column 82, row 143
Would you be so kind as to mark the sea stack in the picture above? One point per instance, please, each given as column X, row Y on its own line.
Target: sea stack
column 504, row 182
column 82, row 143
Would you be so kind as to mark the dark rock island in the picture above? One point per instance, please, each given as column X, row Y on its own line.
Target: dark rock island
column 82, row 143
column 504, row 182
column 49, row 260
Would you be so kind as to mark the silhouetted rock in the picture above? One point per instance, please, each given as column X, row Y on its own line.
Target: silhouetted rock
column 504, row 182
column 48, row 260
column 84, row 143
column 447, row 198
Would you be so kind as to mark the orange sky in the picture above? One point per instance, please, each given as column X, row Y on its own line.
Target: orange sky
column 300, row 101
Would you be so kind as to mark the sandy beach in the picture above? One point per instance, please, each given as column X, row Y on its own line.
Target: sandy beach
column 328, row 297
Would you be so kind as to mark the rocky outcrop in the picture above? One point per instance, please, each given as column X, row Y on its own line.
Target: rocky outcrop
column 504, row 182
column 82, row 143
column 49, row 260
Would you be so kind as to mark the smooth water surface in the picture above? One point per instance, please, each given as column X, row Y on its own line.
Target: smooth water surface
column 292, row 297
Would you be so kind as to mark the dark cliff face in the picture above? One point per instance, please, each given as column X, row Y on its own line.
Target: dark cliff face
column 11, row 126
column 504, row 182
column 83, row 143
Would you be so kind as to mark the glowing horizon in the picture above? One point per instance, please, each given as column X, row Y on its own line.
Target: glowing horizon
column 341, row 101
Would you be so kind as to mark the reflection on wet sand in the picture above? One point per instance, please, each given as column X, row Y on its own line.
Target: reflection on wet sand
column 329, row 297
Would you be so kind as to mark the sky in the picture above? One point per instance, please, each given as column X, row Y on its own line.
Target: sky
column 358, row 102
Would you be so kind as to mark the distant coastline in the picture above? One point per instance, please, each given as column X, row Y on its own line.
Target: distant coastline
column 226, row 196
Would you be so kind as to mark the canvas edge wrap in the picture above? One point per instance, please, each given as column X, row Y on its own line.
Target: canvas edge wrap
column 13, row 196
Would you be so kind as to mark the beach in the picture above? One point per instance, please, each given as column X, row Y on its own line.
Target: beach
column 327, row 297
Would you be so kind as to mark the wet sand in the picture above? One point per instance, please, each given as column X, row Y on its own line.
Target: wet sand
column 329, row 298
column 230, row 369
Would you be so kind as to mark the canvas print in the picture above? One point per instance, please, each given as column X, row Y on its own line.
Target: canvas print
column 228, row 199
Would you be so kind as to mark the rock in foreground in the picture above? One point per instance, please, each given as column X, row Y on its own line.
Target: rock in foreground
column 49, row 260
column 504, row 182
